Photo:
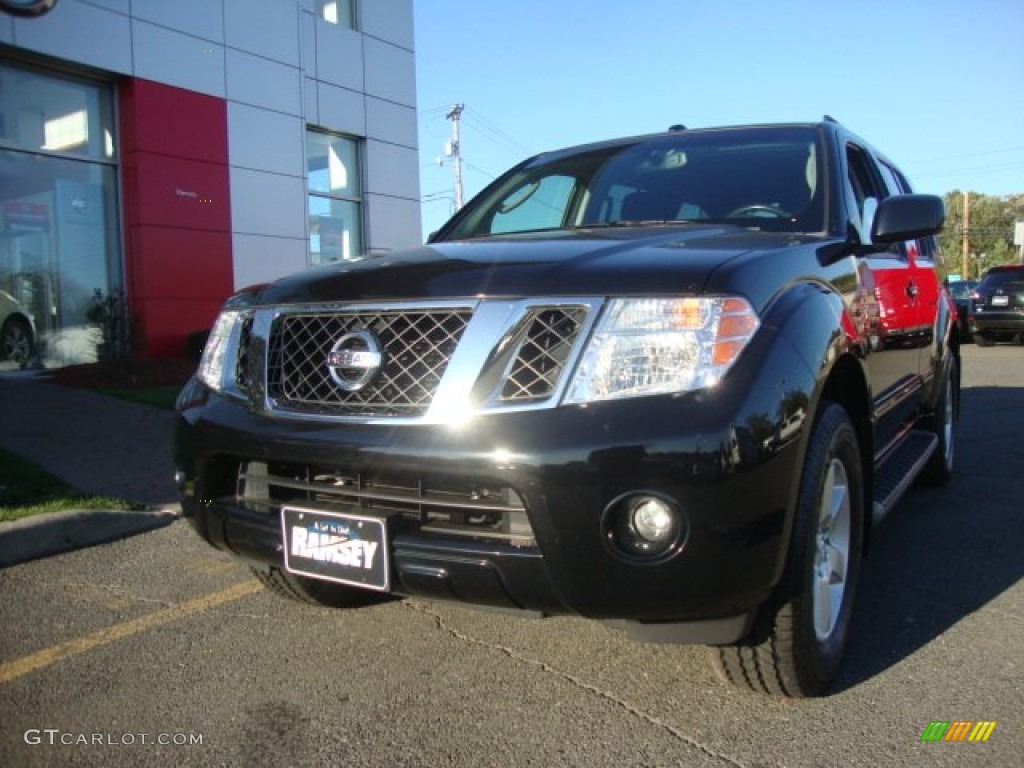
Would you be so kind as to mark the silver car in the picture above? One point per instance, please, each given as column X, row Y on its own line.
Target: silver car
column 17, row 331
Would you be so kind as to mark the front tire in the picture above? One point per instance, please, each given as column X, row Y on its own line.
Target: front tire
column 984, row 339
column 315, row 591
column 798, row 642
column 16, row 342
column 940, row 466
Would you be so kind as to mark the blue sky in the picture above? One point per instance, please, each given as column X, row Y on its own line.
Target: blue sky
column 938, row 85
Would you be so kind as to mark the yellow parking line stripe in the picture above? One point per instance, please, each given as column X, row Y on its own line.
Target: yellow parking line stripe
column 12, row 670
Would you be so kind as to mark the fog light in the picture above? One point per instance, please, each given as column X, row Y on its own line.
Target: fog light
column 653, row 520
column 643, row 525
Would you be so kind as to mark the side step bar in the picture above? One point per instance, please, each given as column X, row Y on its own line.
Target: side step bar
column 896, row 474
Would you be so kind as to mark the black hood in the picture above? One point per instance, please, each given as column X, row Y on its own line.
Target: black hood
column 635, row 261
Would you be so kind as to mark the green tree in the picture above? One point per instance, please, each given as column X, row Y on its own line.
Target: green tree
column 990, row 231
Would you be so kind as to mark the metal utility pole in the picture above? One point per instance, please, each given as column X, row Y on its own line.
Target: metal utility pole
column 966, row 252
column 454, row 152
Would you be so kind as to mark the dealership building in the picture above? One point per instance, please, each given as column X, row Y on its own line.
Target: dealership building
column 155, row 156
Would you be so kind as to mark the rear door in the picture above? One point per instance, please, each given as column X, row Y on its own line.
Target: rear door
column 894, row 365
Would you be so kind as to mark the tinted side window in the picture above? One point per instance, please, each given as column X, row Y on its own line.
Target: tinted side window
column 892, row 178
column 864, row 189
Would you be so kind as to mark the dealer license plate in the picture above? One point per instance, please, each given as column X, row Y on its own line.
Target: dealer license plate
column 348, row 549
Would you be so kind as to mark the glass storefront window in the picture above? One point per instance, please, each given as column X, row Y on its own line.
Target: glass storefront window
column 335, row 202
column 60, row 257
column 42, row 112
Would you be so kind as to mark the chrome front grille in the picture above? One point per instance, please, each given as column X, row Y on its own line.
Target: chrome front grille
column 436, row 362
column 243, row 376
column 417, row 346
column 541, row 358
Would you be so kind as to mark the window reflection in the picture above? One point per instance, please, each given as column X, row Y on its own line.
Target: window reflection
column 59, row 241
column 340, row 12
column 335, row 202
column 41, row 112
column 332, row 162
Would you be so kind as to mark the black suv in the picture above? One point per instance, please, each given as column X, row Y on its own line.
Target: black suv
column 642, row 381
column 997, row 305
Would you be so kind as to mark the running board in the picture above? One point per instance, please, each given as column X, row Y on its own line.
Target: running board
column 899, row 470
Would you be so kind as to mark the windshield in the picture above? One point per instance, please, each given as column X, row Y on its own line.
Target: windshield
column 765, row 178
column 961, row 289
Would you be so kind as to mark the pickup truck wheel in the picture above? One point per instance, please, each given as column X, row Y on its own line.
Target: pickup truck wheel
column 797, row 644
column 314, row 591
column 984, row 339
column 939, row 469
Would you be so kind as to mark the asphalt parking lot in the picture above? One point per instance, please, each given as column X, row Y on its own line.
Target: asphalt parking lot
column 155, row 648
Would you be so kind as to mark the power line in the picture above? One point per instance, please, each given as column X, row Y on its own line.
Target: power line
column 963, row 171
column 481, row 171
column 963, row 156
column 423, row 114
column 497, row 135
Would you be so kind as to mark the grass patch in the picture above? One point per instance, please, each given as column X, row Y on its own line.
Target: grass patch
column 27, row 489
column 161, row 397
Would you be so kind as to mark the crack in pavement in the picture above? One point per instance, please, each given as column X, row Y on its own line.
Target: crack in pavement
column 609, row 696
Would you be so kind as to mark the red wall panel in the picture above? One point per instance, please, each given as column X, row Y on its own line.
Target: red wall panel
column 175, row 257
column 170, row 121
column 167, row 323
column 177, row 214
column 177, row 192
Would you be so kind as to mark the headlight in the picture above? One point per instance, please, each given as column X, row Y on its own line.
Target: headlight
column 657, row 346
column 222, row 339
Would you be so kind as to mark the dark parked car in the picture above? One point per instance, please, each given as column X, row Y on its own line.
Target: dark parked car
column 997, row 305
column 641, row 381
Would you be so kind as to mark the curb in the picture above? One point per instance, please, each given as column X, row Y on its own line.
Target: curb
column 39, row 536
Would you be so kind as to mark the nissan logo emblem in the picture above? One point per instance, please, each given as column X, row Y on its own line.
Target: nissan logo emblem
column 354, row 360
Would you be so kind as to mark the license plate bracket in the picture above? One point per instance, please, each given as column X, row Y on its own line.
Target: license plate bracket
column 335, row 546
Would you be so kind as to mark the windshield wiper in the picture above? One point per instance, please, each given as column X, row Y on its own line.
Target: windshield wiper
column 633, row 223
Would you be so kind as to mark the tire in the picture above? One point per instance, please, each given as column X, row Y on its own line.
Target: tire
column 16, row 342
column 315, row 591
column 984, row 339
column 799, row 638
column 939, row 468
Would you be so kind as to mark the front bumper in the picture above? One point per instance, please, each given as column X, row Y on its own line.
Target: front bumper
column 716, row 454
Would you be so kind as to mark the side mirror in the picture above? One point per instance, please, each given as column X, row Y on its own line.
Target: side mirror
column 907, row 217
